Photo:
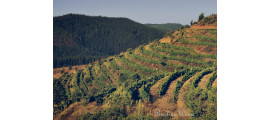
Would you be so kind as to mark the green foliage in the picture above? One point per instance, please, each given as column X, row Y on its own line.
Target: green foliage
column 164, row 87
column 165, row 27
column 163, row 63
column 138, row 57
column 144, row 95
column 77, row 94
column 136, row 67
column 211, row 80
column 204, row 38
column 99, row 100
column 118, row 67
column 186, row 26
column 197, row 43
column 122, row 78
column 67, row 88
column 200, row 76
column 212, row 19
column 136, row 77
column 191, row 22
column 148, row 83
column 87, row 78
column 178, row 86
column 201, row 17
column 80, row 39
column 96, row 80
column 84, row 88
column 59, row 93
column 174, row 57
column 202, row 103
column 107, row 71
column 103, row 76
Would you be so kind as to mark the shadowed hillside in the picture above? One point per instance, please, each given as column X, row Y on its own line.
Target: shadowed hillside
column 166, row 27
column 170, row 78
column 80, row 39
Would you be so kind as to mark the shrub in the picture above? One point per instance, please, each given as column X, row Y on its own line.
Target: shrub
column 144, row 95
column 201, row 17
column 163, row 88
column 99, row 100
column 163, row 63
column 199, row 77
column 136, row 77
column 59, row 93
column 186, row 26
column 211, row 80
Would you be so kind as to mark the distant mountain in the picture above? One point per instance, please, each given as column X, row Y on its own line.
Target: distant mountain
column 80, row 39
column 166, row 27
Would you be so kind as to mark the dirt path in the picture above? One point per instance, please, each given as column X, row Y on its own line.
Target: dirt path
column 75, row 110
column 165, row 40
column 205, row 80
column 214, row 83
column 154, row 88
column 180, row 101
column 165, row 103
column 146, row 47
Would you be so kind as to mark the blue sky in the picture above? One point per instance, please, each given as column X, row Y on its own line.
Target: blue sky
column 143, row 11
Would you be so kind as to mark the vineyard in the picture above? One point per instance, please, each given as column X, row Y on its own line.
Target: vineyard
column 159, row 76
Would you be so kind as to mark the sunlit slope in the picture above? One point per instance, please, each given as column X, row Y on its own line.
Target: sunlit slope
column 164, row 75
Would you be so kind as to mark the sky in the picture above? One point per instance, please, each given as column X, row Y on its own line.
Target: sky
column 142, row 11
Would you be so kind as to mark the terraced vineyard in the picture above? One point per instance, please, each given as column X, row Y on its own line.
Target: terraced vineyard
column 147, row 82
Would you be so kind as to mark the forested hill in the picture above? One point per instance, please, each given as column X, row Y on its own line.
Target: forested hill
column 80, row 39
column 166, row 27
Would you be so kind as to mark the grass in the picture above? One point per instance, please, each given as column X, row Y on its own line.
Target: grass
column 107, row 71
column 179, row 84
column 181, row 50
column 84, row 88
column 96, row 80
column 207, row 39
column 197, row 43
column 136, row 67
column 182, row 59
column 67, row 88
column 103, row 76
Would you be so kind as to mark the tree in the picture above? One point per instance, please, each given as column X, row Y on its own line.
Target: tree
column 136, row 77
column 59, row 93
column 186, row 26
column 191, row 22
column 201, row 17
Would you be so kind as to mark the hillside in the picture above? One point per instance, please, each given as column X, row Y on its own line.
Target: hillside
column 166, row 27
column 80, row 39
column 176, row 75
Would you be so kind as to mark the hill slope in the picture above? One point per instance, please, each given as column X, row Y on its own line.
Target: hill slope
column 80, row 39
column 171, row 76
column 166, row 27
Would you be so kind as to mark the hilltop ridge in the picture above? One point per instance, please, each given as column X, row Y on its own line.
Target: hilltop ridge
column 80, row 39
